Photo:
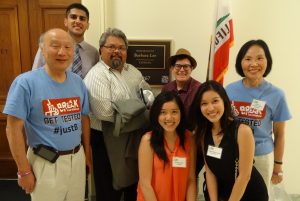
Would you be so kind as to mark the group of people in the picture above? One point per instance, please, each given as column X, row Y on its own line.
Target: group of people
column 82, row 112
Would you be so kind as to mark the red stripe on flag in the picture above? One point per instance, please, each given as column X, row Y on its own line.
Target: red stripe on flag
column 221, row 55
column 221, row 58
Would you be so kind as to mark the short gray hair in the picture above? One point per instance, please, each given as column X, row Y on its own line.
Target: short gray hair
column 112, row 32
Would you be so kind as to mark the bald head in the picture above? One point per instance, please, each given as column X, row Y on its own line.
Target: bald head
column 56, row 32
column 58, row 49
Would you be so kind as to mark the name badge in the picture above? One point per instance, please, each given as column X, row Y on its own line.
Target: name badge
column 179, row 162
column 258, row 104
column 215, row 152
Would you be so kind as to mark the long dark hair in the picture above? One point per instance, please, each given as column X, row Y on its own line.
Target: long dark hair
column 157, row 137
column 201, row 123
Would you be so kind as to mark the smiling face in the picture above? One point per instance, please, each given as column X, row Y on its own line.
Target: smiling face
column 169, row 117
column 77, row 23
column 58, row 50
column 182, row 70
column 114, row 52
column 212, row 106
column 254, row 63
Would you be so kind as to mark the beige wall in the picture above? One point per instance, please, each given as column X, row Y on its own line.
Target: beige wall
column 189, row 24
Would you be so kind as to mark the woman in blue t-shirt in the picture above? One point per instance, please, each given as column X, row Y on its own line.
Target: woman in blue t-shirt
column 262, row 106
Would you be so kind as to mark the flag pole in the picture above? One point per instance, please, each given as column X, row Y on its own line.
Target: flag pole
column 209, row 56
column 210, row 63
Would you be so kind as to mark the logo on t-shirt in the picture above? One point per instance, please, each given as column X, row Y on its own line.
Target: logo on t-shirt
column 244, row 109
column 61, row 106
column 247, row 114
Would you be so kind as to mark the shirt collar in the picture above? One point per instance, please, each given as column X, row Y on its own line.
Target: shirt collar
column 185, row 87
column 82, row 45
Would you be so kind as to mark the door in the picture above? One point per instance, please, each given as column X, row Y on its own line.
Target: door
column 43, row 15
column 21, row 23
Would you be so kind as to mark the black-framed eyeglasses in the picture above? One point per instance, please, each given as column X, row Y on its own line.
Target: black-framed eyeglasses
column 184, row 66
column 113, row 48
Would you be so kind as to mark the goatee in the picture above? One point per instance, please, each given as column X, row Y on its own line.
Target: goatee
column 116, row 63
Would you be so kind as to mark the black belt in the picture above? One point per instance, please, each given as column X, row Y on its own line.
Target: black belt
column 66, row 152
column 71, row 151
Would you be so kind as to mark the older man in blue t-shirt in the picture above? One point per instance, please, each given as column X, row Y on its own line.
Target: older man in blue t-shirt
column 52, row 104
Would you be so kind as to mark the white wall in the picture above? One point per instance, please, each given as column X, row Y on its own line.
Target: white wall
column 189, row 24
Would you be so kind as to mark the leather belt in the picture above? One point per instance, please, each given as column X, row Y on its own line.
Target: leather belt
column 71, row 151
column 67, row 152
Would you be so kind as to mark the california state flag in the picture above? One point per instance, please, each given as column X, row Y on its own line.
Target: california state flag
column 222, row 41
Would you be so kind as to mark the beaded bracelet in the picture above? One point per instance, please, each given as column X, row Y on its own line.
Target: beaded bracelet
column 23, row 174
column 278, row 162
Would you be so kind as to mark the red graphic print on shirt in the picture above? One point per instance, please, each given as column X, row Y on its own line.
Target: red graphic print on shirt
column 61, row 106
column 244, row 110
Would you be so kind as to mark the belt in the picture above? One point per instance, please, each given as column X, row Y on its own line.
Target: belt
column 71, row 151
column 66, row 152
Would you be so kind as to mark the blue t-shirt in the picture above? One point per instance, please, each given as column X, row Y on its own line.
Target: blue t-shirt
column 259, row 107
column 51, row 111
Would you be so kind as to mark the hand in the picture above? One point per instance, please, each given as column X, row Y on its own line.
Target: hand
column 276, row 179
column 277, row 176
column 27, row 183
column 89, row 166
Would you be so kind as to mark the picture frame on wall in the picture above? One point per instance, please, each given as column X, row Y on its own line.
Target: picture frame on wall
column 151, row 57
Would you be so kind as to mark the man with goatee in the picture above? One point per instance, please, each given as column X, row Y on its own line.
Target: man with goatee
column 110, row 81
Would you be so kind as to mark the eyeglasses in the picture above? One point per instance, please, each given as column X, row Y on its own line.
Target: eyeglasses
column 184, row 66
column 113, row 48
